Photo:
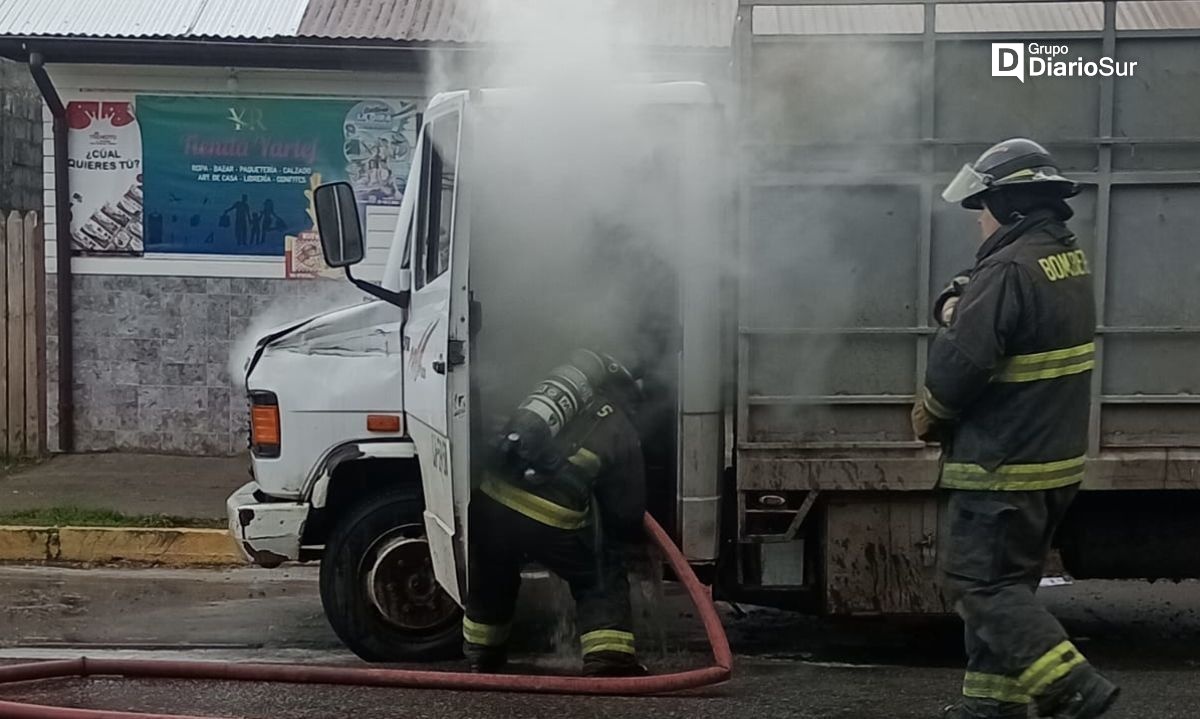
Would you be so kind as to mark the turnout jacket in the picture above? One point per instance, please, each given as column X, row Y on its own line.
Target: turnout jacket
column 604, row 462
column 1011, row 373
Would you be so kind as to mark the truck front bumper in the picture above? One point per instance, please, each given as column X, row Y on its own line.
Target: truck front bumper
column 268, row 533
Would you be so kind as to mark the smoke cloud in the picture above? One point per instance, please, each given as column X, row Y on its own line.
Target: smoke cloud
column 576, row 226
column 303, row 298
column 825, row 251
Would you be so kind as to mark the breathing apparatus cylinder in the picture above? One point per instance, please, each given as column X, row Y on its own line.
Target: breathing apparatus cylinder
column 526, row 445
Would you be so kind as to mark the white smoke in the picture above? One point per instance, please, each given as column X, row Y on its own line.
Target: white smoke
column 576, row 201
column 302, row 299
column 836, row 254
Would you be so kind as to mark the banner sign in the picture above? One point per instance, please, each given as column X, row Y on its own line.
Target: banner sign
column 234, row 176
column 104, row 161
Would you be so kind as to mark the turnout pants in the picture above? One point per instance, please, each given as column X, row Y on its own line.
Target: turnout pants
column 502, row 541
column 993, row 547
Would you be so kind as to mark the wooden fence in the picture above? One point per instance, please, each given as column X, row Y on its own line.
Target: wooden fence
column 22, row 336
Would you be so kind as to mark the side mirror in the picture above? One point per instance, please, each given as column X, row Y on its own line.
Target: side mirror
column 338, row 225
column 405, row 279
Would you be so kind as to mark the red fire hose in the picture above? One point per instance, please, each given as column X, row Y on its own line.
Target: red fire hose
column 398, row 678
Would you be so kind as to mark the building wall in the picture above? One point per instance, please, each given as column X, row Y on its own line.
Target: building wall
column 156, row 357
column 20, row 139
column 154, row 335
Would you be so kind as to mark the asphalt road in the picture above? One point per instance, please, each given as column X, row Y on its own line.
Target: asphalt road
column 1143, row 635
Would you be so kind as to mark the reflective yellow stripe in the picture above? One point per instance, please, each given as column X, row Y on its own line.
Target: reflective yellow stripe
column 1048, row 365
column 534, row 507
column 587, row 460
column 1017, row 174
column 1040, row 357
column 936, row 408
column 623, row 648
column 1013, row 477
column 607, row 640
column 1039, row 468
column 1001, row 485
column 487, row 635
column 1050, row 373
column 1049, row 668
column 978, row 685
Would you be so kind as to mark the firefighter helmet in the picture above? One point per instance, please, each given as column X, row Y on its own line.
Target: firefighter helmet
column 1015, row 163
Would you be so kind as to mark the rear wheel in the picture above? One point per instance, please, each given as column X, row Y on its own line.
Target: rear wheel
column 378, row 587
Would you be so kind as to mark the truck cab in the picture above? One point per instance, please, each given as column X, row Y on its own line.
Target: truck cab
column 366, row 421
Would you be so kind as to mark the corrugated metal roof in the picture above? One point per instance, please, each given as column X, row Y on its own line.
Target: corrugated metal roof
column 248, row 18
column 151, row 18
column 1020, row 17
column 1158, row 14
column 673, row 23
column 411, row 20
column 100, row 18
column 839, row 19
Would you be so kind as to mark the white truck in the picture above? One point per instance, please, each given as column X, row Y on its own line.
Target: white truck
column 787, row 293
column 362, row 419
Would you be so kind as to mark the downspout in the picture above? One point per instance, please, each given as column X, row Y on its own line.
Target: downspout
column 62, row 221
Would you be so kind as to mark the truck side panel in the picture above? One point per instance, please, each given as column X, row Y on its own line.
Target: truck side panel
column 846, row 141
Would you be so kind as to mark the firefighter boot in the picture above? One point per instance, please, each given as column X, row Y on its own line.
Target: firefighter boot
column 1082, row 694
column 970, row 708
column 612, row 664
column 484, row 660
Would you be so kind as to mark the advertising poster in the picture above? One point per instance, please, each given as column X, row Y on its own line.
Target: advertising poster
column 104, row 160
column 302, row 254
column 234, row 176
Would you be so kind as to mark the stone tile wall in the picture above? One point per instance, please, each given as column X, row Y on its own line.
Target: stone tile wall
column 152, row 356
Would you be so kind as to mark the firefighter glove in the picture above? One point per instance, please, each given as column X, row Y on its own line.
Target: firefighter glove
column 926, row 426
column 947, row 300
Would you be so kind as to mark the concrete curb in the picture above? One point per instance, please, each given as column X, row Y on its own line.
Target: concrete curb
column 168, row 546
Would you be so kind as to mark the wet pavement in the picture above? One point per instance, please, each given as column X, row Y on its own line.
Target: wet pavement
column 788, row 665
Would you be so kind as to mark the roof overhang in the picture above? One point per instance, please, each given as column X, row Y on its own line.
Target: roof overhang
column 280, row 53
column 290, row 54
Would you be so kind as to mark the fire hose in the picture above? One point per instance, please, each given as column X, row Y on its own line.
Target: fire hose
column 718, row 672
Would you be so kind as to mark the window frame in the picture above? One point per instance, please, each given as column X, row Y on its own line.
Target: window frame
column 430, row 199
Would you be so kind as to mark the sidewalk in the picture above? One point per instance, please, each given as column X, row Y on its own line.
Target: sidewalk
column 132, row 484
column 84, row 490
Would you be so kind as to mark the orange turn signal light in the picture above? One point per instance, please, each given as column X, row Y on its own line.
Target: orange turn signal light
column 264, row 425
column 383, row 423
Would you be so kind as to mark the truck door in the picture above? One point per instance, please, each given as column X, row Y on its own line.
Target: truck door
column 435, row 372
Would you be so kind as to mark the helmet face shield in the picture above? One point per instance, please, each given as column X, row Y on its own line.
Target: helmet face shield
column 967, row 183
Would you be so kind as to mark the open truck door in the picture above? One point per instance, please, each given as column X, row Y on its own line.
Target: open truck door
column 385, row 559
column 435, row 343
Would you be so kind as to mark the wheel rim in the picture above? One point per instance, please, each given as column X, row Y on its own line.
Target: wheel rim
column 401, row 585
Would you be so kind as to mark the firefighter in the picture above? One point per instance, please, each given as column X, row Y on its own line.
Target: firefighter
column 1007, row 393
column 565, row 488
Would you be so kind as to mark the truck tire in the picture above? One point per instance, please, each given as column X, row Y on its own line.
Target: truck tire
column 378, row 588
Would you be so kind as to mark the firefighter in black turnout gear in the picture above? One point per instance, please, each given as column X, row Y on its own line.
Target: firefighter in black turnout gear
column 566, row 489
column 1007, row 393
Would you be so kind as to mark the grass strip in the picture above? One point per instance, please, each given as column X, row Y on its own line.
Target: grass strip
column 69, row 516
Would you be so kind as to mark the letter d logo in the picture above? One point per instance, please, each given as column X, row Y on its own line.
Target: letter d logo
column 1008, row 60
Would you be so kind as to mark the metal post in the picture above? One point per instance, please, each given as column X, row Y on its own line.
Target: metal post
column 925, row 240
column 62, row 229
column 1103, row 222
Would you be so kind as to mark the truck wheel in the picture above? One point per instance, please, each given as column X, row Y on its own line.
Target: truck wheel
column 378, row 587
